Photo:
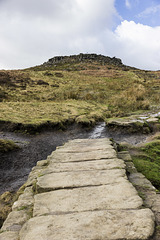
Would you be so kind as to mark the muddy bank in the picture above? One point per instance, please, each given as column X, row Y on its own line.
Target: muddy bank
column 15, row 166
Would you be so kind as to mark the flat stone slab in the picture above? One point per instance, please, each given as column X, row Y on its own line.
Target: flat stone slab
column 9, row 236
column 88, row 142
column 82, row 156
column 88, row 199
column 104, row 225
column 86, row 145
column 83, row 147
column 81, row 192
column 107, row 164
column 62, row 180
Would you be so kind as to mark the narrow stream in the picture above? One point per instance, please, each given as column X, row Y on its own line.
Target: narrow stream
column 99, row 131
column 15, row 166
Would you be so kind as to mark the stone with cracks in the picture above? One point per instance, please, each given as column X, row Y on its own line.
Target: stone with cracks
column 88, row 199
column 62, row 180
column 104, row 225
column 83, row 156
column 107, row 164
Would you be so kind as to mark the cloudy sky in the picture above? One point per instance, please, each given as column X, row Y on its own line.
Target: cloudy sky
column 32, row 31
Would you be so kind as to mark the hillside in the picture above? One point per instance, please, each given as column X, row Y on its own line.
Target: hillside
column 83, row 88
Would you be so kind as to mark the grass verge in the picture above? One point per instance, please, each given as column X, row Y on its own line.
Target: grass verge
column 148, row 162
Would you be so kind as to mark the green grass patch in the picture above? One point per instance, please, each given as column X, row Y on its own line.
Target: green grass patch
column 148, row 162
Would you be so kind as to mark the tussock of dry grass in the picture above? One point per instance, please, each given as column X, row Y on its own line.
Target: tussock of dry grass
column 132, row 99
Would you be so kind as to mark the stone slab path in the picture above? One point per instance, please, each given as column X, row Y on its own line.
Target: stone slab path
column 81, row 192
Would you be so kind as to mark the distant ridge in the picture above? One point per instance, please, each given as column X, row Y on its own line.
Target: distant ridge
column 84, row 58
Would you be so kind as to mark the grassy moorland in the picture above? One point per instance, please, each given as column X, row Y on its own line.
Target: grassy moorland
column 77, row 91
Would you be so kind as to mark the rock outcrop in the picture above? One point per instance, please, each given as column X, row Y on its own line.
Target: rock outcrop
column 84, row 57
column 145, row 123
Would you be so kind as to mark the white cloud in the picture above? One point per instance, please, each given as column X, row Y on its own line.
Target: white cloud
column 128, row 4
column 139, row 45
column 33, row 31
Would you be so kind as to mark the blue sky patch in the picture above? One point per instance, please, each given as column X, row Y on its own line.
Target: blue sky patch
column 146, row 12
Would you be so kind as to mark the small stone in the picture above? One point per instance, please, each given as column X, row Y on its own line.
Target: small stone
column 125, row 156
column 138, row 179
column 130, row 167
column 42, row 163
column 14, row 221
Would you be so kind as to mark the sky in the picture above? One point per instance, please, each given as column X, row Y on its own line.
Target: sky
column 32, row 31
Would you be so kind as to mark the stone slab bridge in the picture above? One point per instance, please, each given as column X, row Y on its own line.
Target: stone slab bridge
column 81, row 192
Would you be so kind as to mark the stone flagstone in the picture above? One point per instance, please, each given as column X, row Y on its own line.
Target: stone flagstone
column 107, row 164
column 62, row 180
column 88, row 199
column 104, row 225
column 81, row 192
column 83, row 156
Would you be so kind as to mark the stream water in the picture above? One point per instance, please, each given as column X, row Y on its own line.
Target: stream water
column 15, row 166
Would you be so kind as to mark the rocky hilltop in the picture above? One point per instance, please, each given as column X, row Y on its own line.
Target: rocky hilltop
column 84, row 57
